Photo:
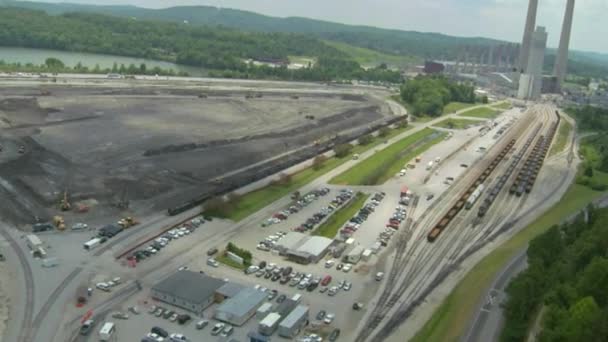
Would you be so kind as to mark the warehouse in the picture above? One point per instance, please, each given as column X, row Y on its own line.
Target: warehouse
column 292, row 324
column 308, row 249
column 192, row 291
column 228, row 290
column 240, row 308
column 291, row 241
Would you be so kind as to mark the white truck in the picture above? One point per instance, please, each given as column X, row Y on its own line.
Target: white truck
column 92, row 244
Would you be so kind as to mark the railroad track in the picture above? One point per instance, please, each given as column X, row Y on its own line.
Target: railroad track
column 25, row 335
column 420, row 276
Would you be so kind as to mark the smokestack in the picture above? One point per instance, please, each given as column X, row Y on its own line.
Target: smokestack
column 561, row 61
column 524, row 53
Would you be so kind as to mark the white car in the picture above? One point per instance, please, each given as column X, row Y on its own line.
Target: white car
column 103, row 287
column 379, row 276
column 155, row 337
column 329, row 318
column 346, row 268
column 213, row 263
column 177, row 337
column 329, row 263
column 80, row 226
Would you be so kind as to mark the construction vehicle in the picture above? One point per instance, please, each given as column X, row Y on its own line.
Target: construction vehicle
column 65, row 204
column 59, row 222
column 127, row 222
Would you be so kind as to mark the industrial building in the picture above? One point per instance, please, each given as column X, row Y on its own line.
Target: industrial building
column 228, row 290
column 530, row 82
column 191, row 291
column 303, row 248
column 292, row 324
column 240, row 308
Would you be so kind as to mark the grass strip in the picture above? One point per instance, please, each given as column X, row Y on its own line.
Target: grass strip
column 453, row 107
column 562, row 137
column 229, row 262
column 451, row 319
column 502, row 105
column 457, row 123
column 387, row 162
column 330, row 227
column 481, row 112
column 253, row 201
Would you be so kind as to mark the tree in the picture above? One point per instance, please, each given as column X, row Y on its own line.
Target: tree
column 342, row 150
column 384, row 132
column 142, row 68
column 365, row 139
column 54, row 64
column 318, row 162
column 588, row 170
column 284, row 179
column 484, row 99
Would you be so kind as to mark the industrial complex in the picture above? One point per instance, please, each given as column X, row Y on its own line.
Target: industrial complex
column 120, row 198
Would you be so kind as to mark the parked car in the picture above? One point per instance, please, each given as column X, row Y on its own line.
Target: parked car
column 213, row 263
column 329, row 318
column 86, row 327
column 212, row 251
column 217, row 329
column 227, row 331
column 334, row 335
column 321, row 315
column 379, row 276
column 159, row 331
column 202, row 324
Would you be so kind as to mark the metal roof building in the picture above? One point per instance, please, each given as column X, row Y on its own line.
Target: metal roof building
column 192, row 291
column 238, row 309
column 312, row 249
column 228, row 290
column 291, row 241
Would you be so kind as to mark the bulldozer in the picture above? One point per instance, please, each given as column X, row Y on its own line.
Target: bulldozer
column 65, row 204
column 59, row 222
column 127, row 222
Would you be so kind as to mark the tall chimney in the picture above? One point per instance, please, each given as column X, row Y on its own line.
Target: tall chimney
column 561, row 61
column 524, row 53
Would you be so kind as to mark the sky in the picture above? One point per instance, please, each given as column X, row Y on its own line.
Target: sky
column 500, row 19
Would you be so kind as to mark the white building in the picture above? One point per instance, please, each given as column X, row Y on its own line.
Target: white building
column 530, row 83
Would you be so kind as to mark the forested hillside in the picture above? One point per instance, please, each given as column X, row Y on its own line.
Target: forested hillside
column 568, row 276
column 394, row 42
column 221, row 49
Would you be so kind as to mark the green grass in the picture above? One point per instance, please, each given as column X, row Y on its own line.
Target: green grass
column 302, row 59
column 389, row 158
column 502, row 105
column 229, row 262
column 367, row 57
column 451, row 319
column 481, row 112
column 456, row 123
column 330, row 228
column 453, row 107
column 254, row 201
column 562, row 137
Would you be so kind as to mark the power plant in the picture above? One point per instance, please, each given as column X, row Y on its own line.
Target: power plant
column 532, row 53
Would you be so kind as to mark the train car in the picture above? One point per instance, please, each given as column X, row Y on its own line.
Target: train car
column 433, row 234
column 474, row 196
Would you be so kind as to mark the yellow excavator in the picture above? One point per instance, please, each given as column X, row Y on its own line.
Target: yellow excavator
column 59, row 222
column 65, row 204
column 127, row 222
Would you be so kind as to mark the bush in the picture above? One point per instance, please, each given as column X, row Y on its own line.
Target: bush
column 343, row 150
column 384, row 131
column 243, row 253
column 366, row 139
column 318, row 162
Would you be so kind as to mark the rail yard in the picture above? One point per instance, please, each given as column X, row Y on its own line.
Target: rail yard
column 179, row 143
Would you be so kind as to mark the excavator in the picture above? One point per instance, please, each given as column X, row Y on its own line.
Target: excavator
column 127, row 222
column 65, row 204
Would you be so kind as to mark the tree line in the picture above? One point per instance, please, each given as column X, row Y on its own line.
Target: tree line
column 54, row 65
column 429, row 94
column 567, row 274
column 223, row 51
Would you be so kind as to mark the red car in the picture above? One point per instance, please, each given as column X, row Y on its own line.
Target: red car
column 392, row 225
column 326, row 280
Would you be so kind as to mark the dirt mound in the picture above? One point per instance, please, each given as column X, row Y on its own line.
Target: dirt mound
column 23, row 111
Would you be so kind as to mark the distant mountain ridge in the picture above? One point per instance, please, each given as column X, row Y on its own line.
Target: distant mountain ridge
column 396, row 42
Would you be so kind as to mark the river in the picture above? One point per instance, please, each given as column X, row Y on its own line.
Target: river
column 38, row 56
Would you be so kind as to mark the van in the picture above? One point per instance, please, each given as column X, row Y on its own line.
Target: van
column 106, row 331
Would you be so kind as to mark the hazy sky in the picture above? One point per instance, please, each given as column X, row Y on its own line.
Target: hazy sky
column 502, row 19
